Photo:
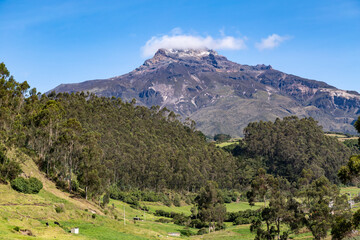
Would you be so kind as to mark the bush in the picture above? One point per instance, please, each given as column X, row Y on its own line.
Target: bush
column 106, row 200
column 30, row 186
column 60, row 209
column 242, row 217
column 227, row 199
column 229, row 196
column 60, row 184
column 181, row 220
column 35, row 185
column 17, row 228
column 177, row 201
column 222, row 137
column 186, row 232
column 165, row 200
column 219, row 226
column 145, row 208
column 197, row 223
column 20, row 184
column 163, row 220
column 202, row 231
column 93, row 216
column 74, row 185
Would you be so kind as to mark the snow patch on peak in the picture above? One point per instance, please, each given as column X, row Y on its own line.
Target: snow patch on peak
column 173, row 52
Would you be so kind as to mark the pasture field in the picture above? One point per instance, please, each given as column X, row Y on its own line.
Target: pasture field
column 227, row 143
column 242, row 206
column 353, row 190
column 341, row 137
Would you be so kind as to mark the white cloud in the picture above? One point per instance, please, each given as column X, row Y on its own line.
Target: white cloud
column 182, row 41
column 176, row 31
column 271, row 42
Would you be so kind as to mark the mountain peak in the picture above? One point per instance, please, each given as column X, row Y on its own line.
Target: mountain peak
column 181, row 53
column 166, row 55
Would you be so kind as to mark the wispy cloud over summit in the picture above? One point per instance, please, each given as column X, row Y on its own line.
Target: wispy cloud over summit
column 272, row 41
column 183, row 41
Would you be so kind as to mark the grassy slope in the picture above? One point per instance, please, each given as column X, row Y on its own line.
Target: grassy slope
column 31, row 212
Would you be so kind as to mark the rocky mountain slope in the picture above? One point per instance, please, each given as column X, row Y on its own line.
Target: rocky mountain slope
column 223, row 96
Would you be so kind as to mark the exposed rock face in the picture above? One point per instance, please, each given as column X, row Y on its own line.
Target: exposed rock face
column 223, row 96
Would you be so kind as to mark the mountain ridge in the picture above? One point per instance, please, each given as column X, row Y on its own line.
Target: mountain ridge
column 223, row 96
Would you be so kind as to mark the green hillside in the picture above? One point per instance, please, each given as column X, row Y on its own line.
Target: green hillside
column 30, row 213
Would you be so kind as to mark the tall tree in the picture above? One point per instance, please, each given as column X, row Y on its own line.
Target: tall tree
column 210, row 205
column 261, row 185
column 69, row 139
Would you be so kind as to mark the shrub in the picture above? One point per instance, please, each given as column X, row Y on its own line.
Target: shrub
column 74, row 185
column 60, row 184
column 219, row 226
column 163, row 220
column 145, row 208
column 202, row 231
column 227, row 199
column 242, row 217
column 93, row 216
column 35, row 185
column 197, row 223
column 177, row 201
column 17, row 228
column 60, row 209
column 106, row 199
column 181, row 219
column 20, row 184
column 222, row 137
column 150, row 196
column 165, row 200
column 186, row 232
column 31, row 185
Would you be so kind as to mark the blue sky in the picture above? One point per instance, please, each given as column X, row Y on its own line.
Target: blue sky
column 51, row 42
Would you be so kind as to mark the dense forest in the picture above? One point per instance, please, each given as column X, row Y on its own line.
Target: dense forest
column 91, row 142
column 95, row 145
column 292, row 144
